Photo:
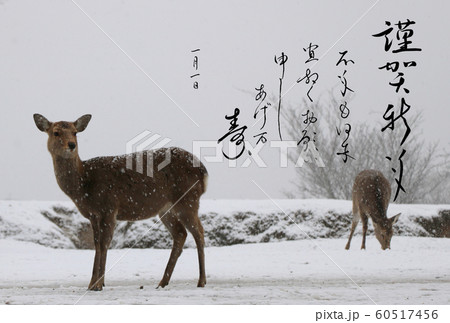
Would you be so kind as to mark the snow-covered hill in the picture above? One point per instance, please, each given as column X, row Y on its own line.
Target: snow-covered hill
column 226, row 222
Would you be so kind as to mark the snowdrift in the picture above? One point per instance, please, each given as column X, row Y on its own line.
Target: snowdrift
column 226, row 222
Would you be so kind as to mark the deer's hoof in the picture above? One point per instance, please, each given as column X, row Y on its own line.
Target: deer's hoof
column 162, row 284
column 96, row 287
column 201, row 284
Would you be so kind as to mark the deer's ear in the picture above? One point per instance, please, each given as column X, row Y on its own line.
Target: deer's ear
column 41, row 122
column 394, row 219
column 82, row 122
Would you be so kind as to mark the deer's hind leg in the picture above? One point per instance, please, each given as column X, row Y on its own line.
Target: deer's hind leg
column 189, row 217
column 355, row 221
column 179, row 234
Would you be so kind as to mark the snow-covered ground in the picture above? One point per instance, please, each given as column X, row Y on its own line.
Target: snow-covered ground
column 39, row 262
column 320, row 271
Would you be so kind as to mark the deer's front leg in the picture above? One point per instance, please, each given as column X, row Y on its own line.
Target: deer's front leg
column 355, row 221
column 96, row 269
column 103, row 234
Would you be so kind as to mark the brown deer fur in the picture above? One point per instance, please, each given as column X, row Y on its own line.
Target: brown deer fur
column 371, row 194
column 104, row 190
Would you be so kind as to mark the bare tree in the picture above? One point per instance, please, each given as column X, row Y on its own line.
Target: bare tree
column 426, row 172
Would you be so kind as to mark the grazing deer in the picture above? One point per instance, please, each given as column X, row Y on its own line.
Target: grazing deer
column 105, row 190
column 371, row 195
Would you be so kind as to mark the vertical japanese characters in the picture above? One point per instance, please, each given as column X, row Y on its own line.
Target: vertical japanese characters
column 398, row 67
column 261, row 108
column 310, row 77
column 235, row 134
column 344, row 109
column 195, row 66
column 306, row 139
column 280, row 60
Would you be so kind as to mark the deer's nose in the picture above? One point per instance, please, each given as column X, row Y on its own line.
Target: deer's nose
column 72, row 145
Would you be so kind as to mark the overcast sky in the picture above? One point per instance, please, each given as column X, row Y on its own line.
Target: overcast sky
column 57, row 62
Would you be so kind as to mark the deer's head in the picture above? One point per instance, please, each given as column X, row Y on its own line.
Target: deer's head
column 384, row 231
column 62, row 135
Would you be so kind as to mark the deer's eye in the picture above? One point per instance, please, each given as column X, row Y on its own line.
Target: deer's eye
column 56, row 133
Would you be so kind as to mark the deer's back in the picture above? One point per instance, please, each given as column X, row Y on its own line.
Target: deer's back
column 109, row 183
column 371, row 193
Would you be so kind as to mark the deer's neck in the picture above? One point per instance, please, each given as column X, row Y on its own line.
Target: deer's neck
column 70, row 176
column 381, row 222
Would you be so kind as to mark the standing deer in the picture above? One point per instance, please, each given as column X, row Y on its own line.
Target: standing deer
column 371, row 194
column 105, row 190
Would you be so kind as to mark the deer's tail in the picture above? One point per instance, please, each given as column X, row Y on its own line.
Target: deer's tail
column 204, row 175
